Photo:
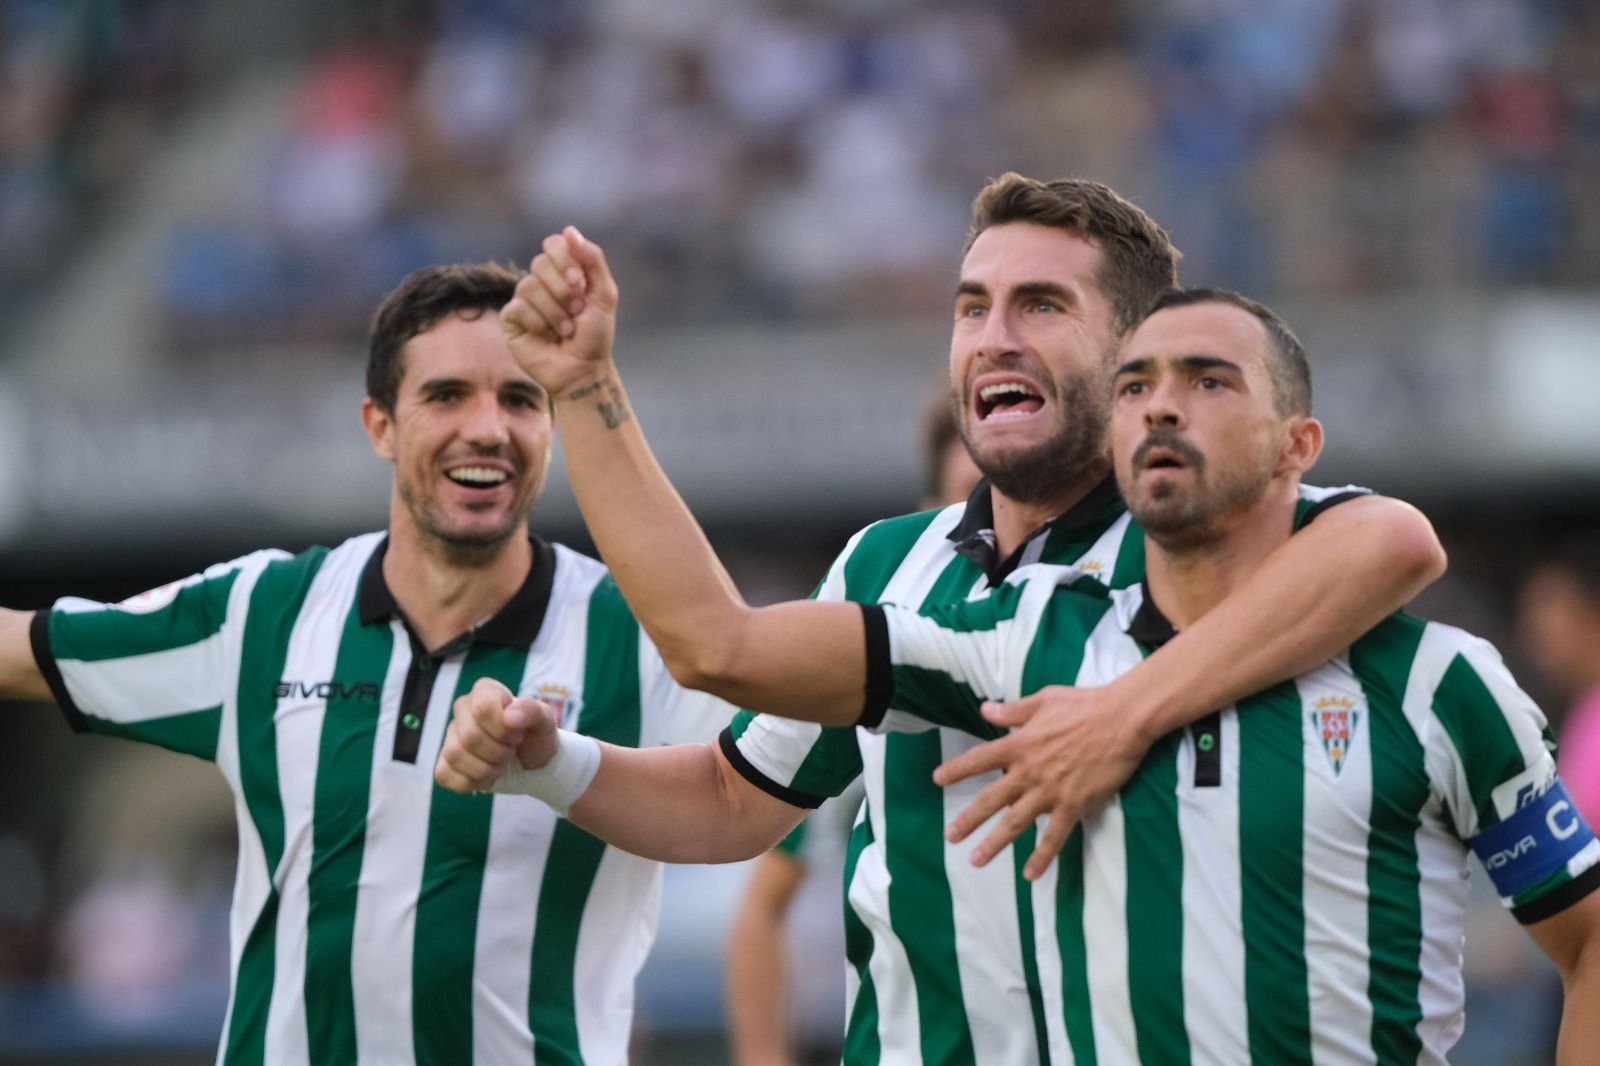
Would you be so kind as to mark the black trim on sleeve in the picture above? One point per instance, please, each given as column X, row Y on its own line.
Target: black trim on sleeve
column 1332, row 501
column 748, row 771
column 39, row 637
column 1552, row 904
column 880, row 668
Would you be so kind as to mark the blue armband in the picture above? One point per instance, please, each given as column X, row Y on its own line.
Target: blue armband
column 1537, row 840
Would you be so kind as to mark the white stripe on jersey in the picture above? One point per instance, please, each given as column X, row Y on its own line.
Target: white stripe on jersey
column 1335, row 872
column 313, row 648
column 1442, row 863
column 381, row 977
column 191, row 678
column 252, row 880
column 1213, row 949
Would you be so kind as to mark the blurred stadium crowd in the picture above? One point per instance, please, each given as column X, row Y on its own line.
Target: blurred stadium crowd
column 740, row 160
column 821, row 152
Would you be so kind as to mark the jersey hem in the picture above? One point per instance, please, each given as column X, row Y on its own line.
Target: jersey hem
column 749, row 771
column 39, row 637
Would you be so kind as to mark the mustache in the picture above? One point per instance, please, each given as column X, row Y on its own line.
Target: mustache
column 1169, row 440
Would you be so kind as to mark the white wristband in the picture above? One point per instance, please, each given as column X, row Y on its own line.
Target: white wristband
column 560, row 781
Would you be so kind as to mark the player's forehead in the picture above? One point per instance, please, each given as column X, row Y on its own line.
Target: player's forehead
column 459, row 347
column 1210, row 330
column 1026, row 253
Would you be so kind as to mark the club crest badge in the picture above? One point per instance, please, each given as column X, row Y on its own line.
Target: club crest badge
column 561, row 699
column 1334, row 719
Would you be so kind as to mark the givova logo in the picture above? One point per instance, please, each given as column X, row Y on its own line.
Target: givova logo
column 350, row 691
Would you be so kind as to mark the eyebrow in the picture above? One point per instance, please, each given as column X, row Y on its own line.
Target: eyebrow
column 1025, row 290
column 1190, row 363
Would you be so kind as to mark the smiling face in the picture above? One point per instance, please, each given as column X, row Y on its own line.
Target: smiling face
column 1197, row 436
column 1028, row 354
column 469, row 437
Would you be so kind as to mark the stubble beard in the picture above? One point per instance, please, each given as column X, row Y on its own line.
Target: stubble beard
column 1041, row 473
column 467, row 548
column 1180, row 521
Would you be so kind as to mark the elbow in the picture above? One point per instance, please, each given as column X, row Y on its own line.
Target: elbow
column 1419, row 556
column 706, row 665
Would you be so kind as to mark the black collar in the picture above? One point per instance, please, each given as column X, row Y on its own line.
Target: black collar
column 516, row 625
column 974, row 536
column 1149, row 626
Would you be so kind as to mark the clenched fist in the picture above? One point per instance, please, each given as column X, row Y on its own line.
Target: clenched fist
column 491, row 727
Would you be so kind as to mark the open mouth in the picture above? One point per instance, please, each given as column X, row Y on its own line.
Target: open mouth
column 1008, row 398
column 478, row 477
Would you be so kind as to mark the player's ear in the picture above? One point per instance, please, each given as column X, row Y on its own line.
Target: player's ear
column 379, row 424
column 1303, row 444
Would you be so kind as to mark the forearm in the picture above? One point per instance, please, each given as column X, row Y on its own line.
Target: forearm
column 766, row 659
column 20, row 678
column 756, row 963
column 1311, row 598
column 1579, row 1043
column 682, row 803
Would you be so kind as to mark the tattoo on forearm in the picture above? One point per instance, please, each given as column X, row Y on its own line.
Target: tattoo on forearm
column 612, row 405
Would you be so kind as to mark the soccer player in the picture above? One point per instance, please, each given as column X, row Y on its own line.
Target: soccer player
column 757, row 955
column 1054, row 273
column 1283, row 881
column 376, row 917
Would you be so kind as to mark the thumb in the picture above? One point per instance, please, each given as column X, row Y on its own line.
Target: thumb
column 523, row 713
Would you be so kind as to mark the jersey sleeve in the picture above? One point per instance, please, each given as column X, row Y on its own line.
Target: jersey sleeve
column 1314, row 501
column 942, row 665
column 1491, row 760
column 155, row 668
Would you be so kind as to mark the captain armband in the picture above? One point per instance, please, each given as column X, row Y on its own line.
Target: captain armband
column 1533, row 843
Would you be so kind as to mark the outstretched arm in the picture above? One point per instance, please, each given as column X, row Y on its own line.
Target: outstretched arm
column 20, row 678
column 681, row 803
column 802, row 660
column 1073, row 748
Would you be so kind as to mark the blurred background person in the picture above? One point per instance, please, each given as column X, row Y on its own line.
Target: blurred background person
column 1558, row 612
column 766, row 975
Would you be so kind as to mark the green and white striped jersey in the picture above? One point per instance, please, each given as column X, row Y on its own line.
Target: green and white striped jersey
column 1285, row 881
column 377, row 917
column 939, row 969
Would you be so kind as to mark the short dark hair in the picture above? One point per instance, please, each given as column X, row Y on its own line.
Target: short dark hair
column 419, row 303
column 1289, row 367
column 1138, row 258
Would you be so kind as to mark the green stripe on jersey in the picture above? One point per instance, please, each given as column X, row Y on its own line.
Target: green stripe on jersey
column 1154, row 848
column 274, row 606
column 1477, row 727
column 1077, row 1009
column 339, row 833
column 1272, row 879
column 914, row 847
column 444, row 949
column 1381, row 661
column 879, row 553
column 861, row 1046
column 1021, row 850
column 610, row 713
column 196, row 613
column 194, row 733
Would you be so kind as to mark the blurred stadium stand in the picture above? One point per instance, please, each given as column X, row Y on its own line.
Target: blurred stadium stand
column 200, row 204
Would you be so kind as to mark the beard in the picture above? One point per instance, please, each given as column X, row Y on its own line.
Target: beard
column 1180, row 521
column 471, row 545
column 1039, row 474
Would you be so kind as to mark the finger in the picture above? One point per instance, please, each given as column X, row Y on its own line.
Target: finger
column 1013, row 713
column 1051, row 840
column 995, row 755
column 995, row 796
column 518, row 318
column 555, row 275
column 545, row 305
column 1012, row 824
column 461, row 771
column 524, row 715
column 592, row 258
column 561, row 250
column 482, row 710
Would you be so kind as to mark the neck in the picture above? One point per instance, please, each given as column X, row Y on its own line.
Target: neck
column 443, row 593
column 1188, row 580
column 1016, row 521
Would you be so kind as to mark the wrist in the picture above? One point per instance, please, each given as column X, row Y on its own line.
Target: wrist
column 1147, row 707
column 559, row 782
column 594, row 382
